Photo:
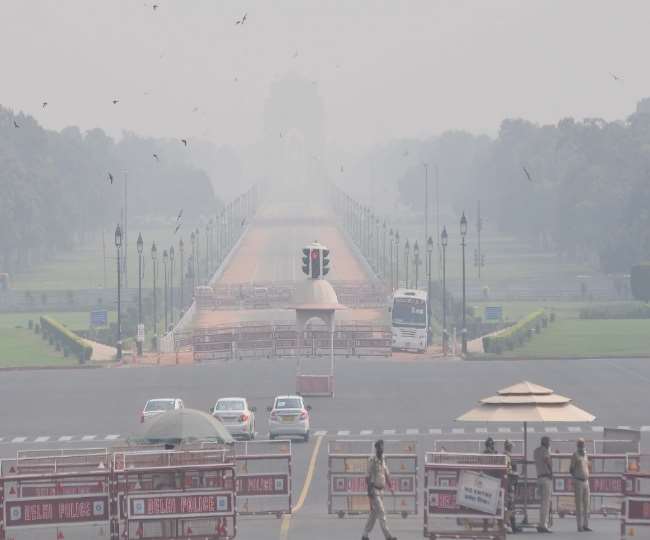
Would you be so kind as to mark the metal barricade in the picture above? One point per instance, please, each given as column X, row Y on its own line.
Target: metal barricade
column 348, row 469
column 479, row 481
column 635, row 510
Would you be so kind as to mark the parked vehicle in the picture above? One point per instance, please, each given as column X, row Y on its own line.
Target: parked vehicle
column 157, row 406
column 289, row 417
column 236, row 416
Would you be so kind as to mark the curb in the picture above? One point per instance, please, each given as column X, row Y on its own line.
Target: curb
column 529, row 358
column 51, row 368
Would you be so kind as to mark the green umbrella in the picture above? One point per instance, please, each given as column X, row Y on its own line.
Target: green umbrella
column 183, row 426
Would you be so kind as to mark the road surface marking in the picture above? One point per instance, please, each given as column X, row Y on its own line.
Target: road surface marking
column 575, row 429
column 286, row 520
column 481, row 430
column 343, row 433
column 18, row 439
column 366, row 432
column 111, row 437
column 643, row 428
column 65, row 438
column 435, row 431
column 458, row 431
column 623, row 427
column 88, row 437
column 504, row 430
column 597, row 429
column 389, row 432
column 412, row 431
column 44, row 438
column 530, row 429
column 550, row 429
column 320, row 433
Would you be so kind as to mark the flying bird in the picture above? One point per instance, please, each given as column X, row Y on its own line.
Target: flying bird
column 530, row 178
column 405, row 153
column 44, row 104
column 242, row 20
column 155, row 156
column 184, row 141
column 341, row 168
column 155, row 7
column 116, row 101
column 177, row 228
column 180, row 214
column 295, row 55
column 16, row 125
column 243, row 221
column 110, row 178
column 195, row 109
column 616, row 77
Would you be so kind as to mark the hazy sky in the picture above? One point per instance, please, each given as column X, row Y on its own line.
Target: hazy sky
column 384, row 69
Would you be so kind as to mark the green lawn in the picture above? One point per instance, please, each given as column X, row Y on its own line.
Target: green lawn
column 21, row 347
column 515, row 310
column 576, row 338
column 74, row 320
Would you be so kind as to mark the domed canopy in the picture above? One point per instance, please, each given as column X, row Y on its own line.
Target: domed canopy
column 185, row 425
column 315, row 294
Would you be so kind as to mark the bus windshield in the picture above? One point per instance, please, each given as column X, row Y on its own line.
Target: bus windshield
column 409, row 312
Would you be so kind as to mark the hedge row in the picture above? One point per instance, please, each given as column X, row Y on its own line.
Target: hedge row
column 70, row 342
column 616, row 311
column 517, row 334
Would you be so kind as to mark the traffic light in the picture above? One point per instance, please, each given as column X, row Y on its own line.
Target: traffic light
column 326, row 261
column 315, row 263
column 305, row 260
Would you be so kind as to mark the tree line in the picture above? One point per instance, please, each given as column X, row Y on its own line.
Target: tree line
column 61, row 188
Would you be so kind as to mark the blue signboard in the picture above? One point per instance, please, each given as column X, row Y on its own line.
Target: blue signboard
column 493, row 313
column 99, row 317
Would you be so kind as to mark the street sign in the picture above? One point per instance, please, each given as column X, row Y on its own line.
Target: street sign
column 140, row 336
column 478, row 492
column 99, row 317
column 493, row 313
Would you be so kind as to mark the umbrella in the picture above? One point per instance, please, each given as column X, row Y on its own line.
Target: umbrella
column 526, row 402
column 185, row 425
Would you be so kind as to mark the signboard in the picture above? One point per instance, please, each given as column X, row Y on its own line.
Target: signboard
column 638, row 509
column 99, row 317
column 601, row 485
column 343, row 484
column 56, row 511
column 478, row 492
column 493, row 313
column 179, row 505
column 140, row 336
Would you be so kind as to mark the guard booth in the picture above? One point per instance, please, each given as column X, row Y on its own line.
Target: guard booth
column 348, row 469
column 464, row 496
column 174, row 495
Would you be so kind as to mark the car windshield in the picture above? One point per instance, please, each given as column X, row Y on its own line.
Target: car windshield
column 229, row 405
column 159, row 405
column 288, row 403
column 409, row 312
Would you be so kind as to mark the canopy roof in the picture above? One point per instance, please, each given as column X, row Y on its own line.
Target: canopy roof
column 526, row 402
column 185, row 425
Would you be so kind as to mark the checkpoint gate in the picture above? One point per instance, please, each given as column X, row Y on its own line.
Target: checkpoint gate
column 348, row 468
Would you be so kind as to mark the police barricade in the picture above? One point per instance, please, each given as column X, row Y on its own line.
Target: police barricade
column 476, row 446
column 464, row 495
column 635, row 515
column 174, row 495
column 606, row 482
column 348, row 469
column 374, row 341
column 315, row 385
column 213, row 343
column 254, row 341
column 324, row 342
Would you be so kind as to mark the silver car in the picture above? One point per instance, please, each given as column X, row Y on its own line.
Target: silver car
column 157, row 406
column 289, row 417
column 236, row 416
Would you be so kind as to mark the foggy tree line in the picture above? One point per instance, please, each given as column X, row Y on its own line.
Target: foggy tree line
column 56, row 190
column 580, row 188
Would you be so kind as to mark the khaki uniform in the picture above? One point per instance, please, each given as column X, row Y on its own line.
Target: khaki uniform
column 580, row 472
column 542, row 458
column 377, row 477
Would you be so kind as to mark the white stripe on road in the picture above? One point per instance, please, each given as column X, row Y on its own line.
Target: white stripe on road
column 481, row 430
column 88, row 437
column 645, row 428
column 320, row 433
column 575, row 429
column 435, row 431
column 366, row 432
column 18, row 439
column 530, row 429
column 65, row 438
column 389, row 432
column 111, row 437
column 343, row 433
column 623, row 427
column 412, row 431
column 458, row 431
column 504, row 430
column 45, row 438
column 597, row 429
column 550, row 429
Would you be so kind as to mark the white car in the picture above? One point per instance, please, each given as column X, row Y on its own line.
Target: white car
column 157, row 406
column 289, row 417
column 236, row 416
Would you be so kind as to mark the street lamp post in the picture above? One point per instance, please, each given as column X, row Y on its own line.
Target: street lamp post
column 407, row 250
column 165, row 260
column 207, row 252
column 443, row 241
column 429, row 252
column 383, row 252
column 193, row 259
column 154, row 259
column 416, row 261
column 397, row 259
column 140, row 246
column 198, row 259
column 181, row 246
column 391, row 235
column 118, row 245
column 171, row 285
column 463, row 232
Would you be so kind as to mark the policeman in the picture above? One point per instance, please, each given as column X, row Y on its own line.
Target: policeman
column 489, row 446
column 542, row 456
column 580, row 473
column 378, row 477
column 511, row 487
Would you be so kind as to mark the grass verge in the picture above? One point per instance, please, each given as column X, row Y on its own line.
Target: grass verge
column 20, row 347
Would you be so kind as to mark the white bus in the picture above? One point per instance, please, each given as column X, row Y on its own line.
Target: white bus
column 410, row 320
